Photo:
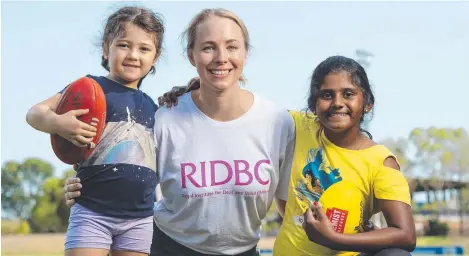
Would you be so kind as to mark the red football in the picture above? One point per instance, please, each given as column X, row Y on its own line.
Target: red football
column 84, row 93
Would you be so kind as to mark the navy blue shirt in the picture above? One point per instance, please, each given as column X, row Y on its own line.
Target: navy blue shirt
column 119, row 177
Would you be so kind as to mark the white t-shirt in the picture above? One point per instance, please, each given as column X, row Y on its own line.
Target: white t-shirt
column 218, row 179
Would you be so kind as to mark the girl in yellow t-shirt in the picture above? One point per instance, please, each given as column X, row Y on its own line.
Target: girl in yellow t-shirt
column 340, row 177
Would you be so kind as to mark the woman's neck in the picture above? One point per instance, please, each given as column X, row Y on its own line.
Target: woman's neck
column 223, row 106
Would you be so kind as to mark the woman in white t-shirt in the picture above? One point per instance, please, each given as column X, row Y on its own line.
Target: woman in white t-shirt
column 224, row 153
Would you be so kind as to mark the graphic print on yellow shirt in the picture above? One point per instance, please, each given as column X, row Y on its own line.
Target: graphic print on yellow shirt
column 318, row 176
column 319, row 182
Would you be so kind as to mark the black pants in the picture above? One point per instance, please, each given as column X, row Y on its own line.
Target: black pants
column 163, row 245
column 388, row 252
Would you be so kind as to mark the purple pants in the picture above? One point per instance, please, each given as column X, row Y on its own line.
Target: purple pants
column 88, row 229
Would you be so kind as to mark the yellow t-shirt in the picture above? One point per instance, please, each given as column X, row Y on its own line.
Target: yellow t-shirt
column 345, row 182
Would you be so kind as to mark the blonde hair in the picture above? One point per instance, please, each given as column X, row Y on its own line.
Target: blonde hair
column 190, row 33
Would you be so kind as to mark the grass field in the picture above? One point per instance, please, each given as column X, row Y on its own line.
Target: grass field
column 52, row 244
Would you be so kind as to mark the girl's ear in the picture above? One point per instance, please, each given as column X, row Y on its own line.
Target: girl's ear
column 191, row 57
column 368, row 108
column 105, row 50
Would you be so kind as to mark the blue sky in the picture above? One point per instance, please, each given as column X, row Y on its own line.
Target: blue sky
column 419, row 71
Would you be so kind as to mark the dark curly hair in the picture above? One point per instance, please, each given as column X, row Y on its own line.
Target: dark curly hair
column 335, row 64
column 142, row 18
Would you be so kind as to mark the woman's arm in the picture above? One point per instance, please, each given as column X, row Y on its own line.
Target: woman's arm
column 280, row 206
column 285, row 167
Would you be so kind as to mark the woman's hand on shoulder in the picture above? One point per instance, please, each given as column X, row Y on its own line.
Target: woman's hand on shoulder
column 170, row 98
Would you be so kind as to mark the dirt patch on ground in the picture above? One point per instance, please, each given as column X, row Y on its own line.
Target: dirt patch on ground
column 53, row 244
column 37, row 244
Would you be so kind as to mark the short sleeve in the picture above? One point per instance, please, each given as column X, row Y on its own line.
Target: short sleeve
column 285, row 164
column 390, row 184
column 157, row 138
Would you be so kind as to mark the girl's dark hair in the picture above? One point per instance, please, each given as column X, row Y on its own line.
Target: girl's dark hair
column 337, row 64
column 142, row 18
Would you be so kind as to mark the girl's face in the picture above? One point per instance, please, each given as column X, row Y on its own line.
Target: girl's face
column 339, row 105
column 219, row 53
column 131, row 55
